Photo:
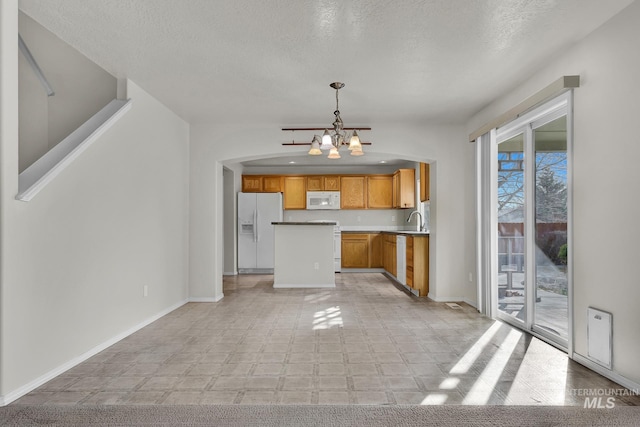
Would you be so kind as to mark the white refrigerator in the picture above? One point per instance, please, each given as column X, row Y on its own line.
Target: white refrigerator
column 256, row 212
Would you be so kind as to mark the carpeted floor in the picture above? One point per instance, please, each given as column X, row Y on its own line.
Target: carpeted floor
column 321, row 415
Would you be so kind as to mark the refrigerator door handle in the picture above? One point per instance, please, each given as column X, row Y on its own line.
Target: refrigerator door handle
column 257, row 221
column 255, row 225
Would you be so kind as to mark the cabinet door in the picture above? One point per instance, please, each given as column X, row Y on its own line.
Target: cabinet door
column 375, row 250
column 421, row 264
column 295, row 195
column 355, row 250
column 389, row 253
column 315, row 183
column 353, row 192
column 404, row 188
column 272, row 184
column 409, row 261
column 331, row 183
column 380, row 191
column 424, row 182
column 251, row 183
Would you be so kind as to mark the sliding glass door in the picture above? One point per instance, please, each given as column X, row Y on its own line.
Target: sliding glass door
column 531, row 216
column 511, row 243
column 550, row 228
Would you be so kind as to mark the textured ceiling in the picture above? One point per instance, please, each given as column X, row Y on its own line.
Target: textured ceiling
column 271, row 61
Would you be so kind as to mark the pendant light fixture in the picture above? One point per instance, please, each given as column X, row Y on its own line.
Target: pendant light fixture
column 333, row 140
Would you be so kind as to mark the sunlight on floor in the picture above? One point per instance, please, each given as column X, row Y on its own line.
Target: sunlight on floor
column 329, row 318
column 483, row 388
column 465, row 363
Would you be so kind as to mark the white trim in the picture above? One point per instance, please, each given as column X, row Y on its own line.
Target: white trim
column 21, row 391
column 46, row 168
column 612, row 375
column 305, row 286
column 570, row 302
column 561, row 105
column 563, row 84
column 470, row 302
column 452, row 299
column 206, row 299
column 513, row 128
column 230, row 273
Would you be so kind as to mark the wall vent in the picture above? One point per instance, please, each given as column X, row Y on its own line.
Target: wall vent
column 599, row 336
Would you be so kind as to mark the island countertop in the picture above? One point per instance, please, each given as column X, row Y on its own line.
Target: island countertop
column 305, row 223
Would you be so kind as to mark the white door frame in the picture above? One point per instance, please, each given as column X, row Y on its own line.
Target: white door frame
column 487, row 212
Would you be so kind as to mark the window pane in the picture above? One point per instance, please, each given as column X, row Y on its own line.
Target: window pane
column 551, row 312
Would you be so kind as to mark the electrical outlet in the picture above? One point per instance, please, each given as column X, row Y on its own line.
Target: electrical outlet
column 145, row 290
column 358, row 218
column 393, row 218
column 316, row 265
column 470, row 277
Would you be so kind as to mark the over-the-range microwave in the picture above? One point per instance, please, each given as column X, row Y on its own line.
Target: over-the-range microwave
column 323, row 200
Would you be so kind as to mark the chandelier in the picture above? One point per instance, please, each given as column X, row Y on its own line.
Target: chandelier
column 336, row 138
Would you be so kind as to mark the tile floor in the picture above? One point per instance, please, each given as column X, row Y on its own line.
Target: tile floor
column 364, row 342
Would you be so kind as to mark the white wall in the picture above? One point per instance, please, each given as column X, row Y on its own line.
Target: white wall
column 606, row 174
column 452, row 215
column 81, row 89
column 73, row 260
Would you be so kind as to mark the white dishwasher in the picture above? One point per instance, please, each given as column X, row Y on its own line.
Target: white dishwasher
column 401, row 259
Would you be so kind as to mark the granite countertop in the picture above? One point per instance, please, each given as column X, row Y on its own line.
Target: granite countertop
column 373, row 230
column 304, row 223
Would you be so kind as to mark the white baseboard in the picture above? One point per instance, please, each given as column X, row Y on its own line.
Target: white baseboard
column 453, row 299
column 612, row 375
column 230, row 273
column 305, row 286
column 206, row 299
column 473, row 304
column 21, row 391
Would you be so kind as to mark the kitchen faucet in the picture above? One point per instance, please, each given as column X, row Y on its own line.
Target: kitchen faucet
column 420, row 224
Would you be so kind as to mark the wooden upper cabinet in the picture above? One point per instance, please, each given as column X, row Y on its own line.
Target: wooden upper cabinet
column 271, row 183
column 331, row 183
column 315, row 183
column 424, row 182
column 404, row 188
column 323, row 183
column 353, row 193
column 261, row 183
column 295, row 193
column 251, row 183
column 380, row 191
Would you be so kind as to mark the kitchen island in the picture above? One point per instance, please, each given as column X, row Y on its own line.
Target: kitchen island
column 303, row 255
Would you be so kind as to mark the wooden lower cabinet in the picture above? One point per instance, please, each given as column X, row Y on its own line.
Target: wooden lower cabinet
column 418, row 264
column 389, row 260
column 355, row 250
column 375, row 250
column 378, row 250
column 361, row 250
